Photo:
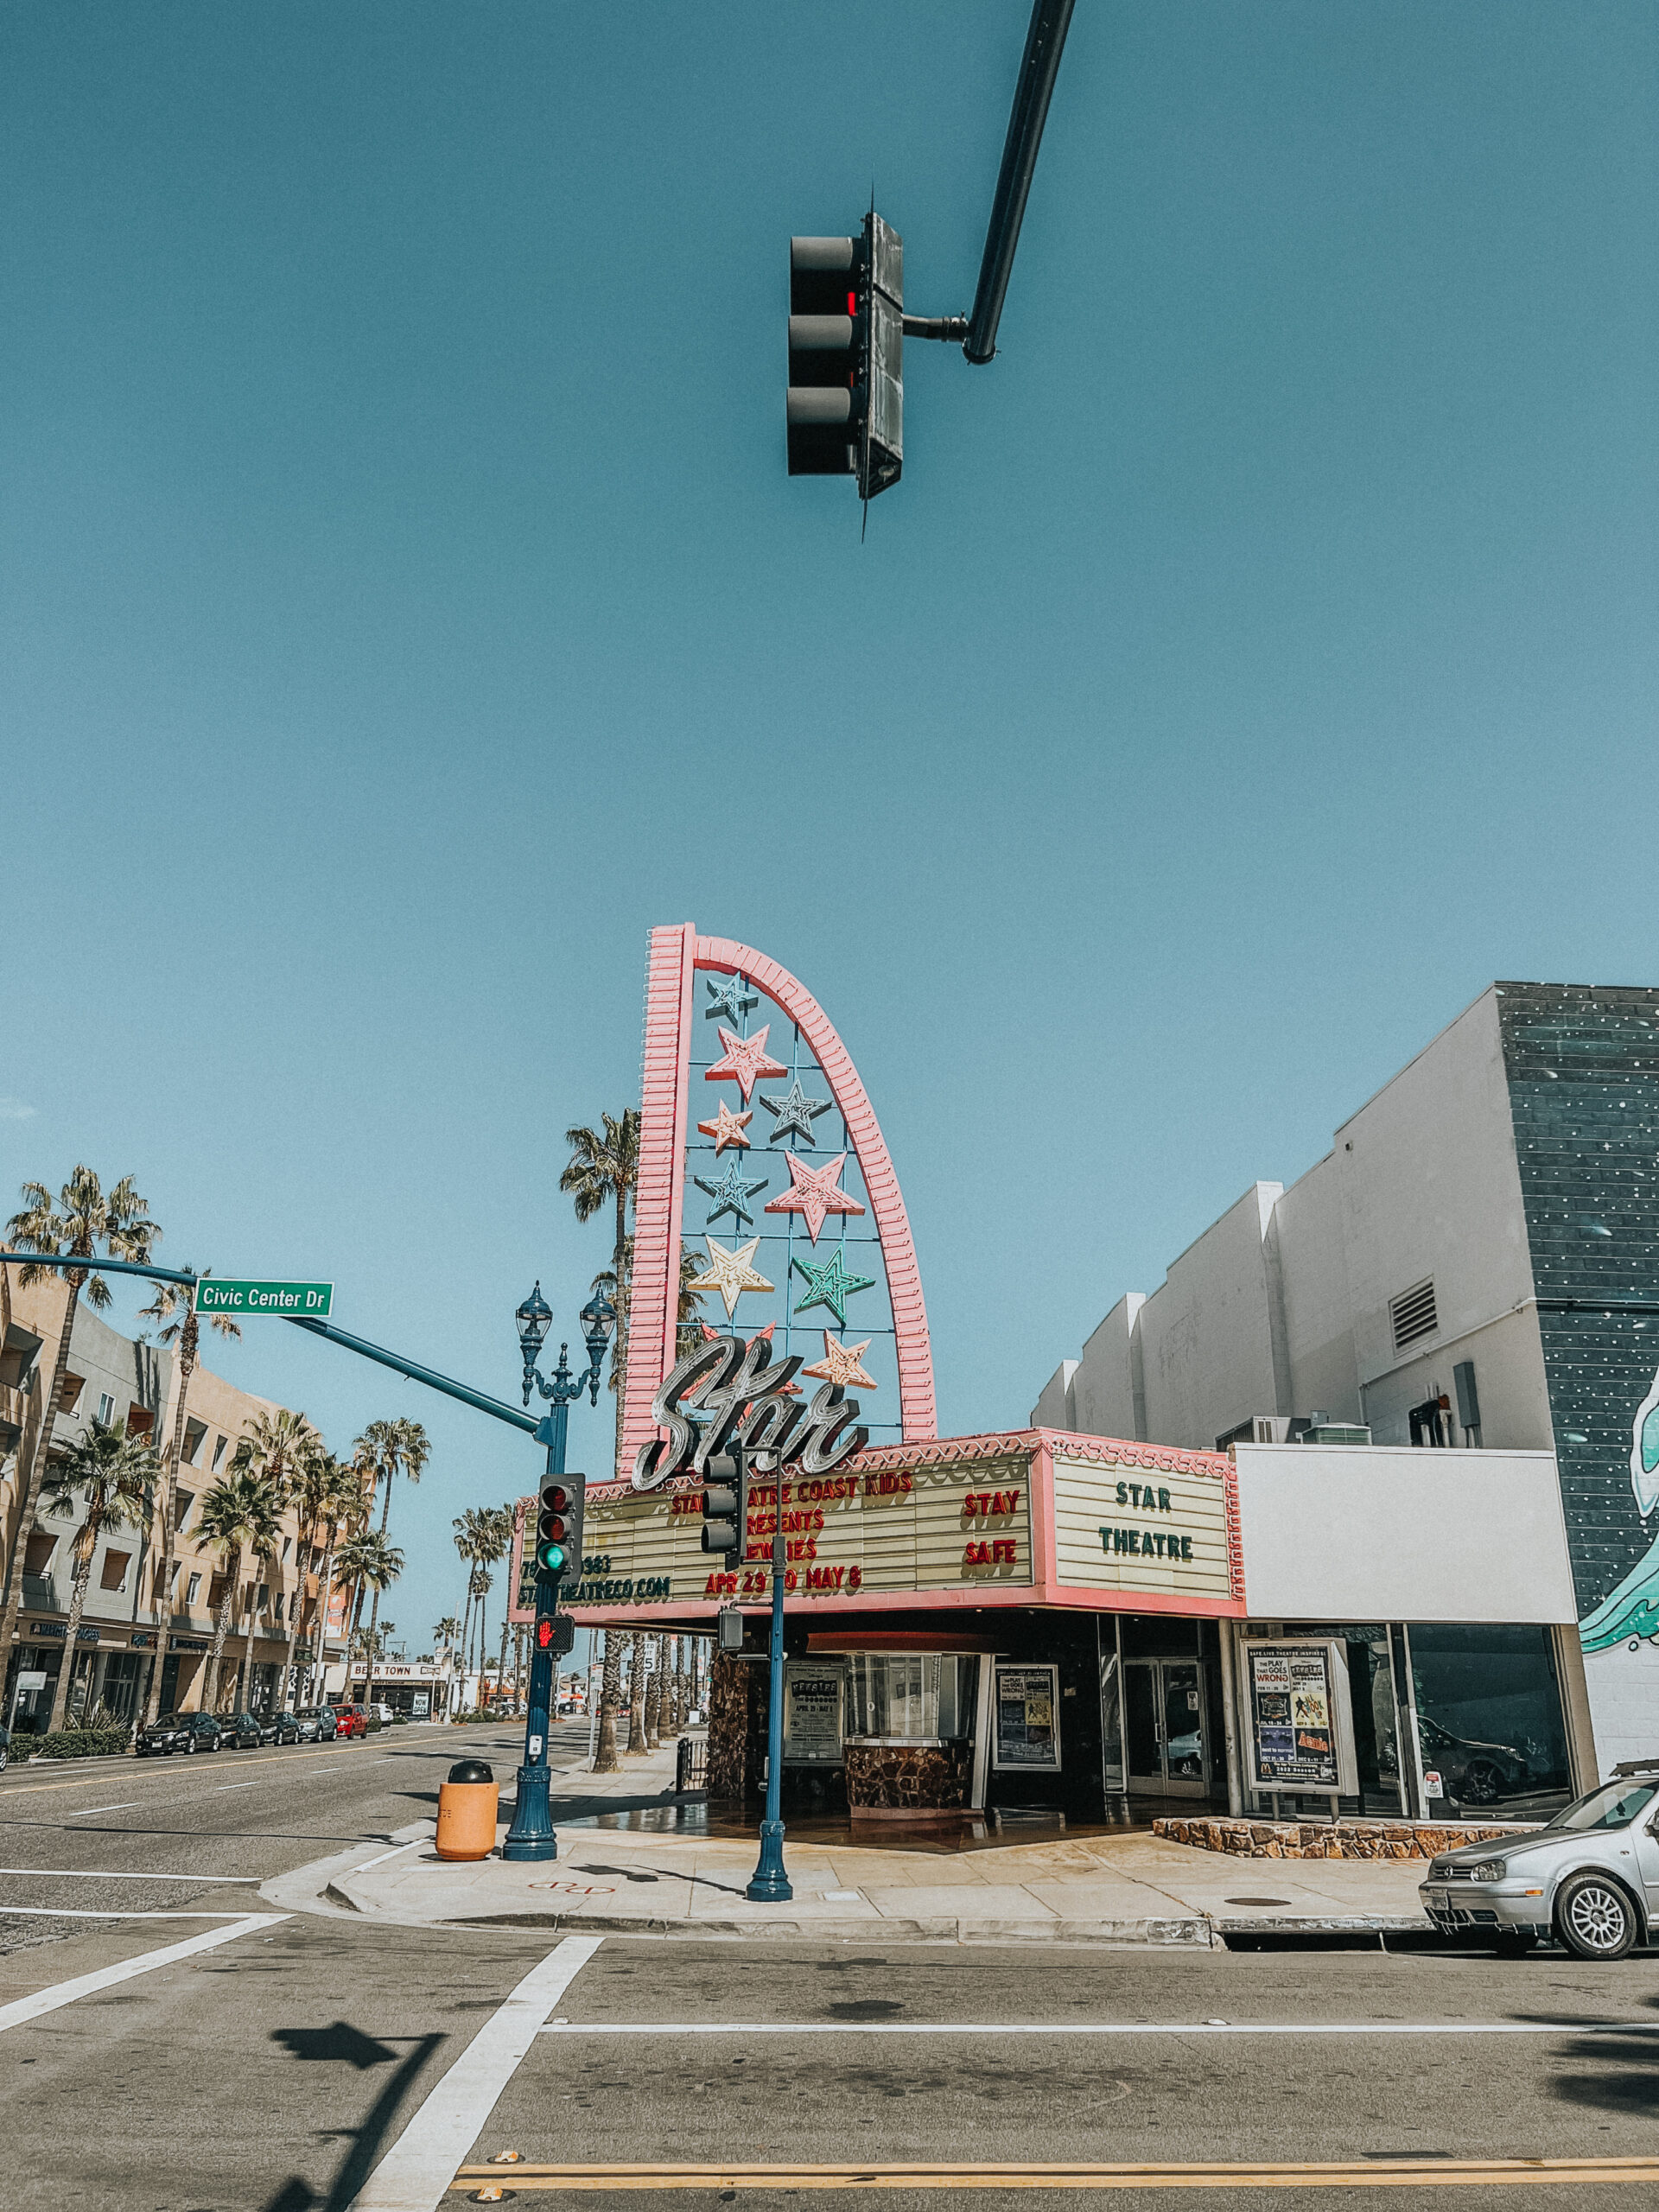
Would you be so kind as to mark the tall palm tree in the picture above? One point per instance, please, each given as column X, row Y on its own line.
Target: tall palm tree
column 637, row 1745
column 238, row 1510
column 444, row 1633
column 314, row 1491
column 503, row 1516
column 470, row 1539
column 276, row 1446
column 610, row 1702
column 384, row 1448
column 483, row 1583
column 83, row 1217
column 118, row 1473
column 345, row 1509
column 175, row 1303
column 373, row 1564
column 603, row 1168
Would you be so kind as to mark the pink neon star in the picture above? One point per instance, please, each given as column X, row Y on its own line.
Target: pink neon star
column 813, row 1191
column 840, row 1364
column 726, row 1127
column 744, row 1060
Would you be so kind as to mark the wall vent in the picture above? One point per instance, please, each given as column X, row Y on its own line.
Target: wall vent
column 1412, row 1314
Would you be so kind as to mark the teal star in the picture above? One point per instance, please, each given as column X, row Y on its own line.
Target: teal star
column 795, row 1111
column 729, row 1194
column 727, row 995
column 830, row 1285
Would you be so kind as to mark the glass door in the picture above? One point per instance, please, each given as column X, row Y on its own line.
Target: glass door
column 1164, row 1722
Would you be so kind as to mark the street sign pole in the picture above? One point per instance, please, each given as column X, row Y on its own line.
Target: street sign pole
column 769, row 1884
column 531, row 1834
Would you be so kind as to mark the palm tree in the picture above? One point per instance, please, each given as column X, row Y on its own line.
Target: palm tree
column 384, row 1448
column 444, row 1633
column 637, row 1745
column 175, row 1303
column 483, row 1583
column 241, row 1509
column 602, row 1170
column 470, row 1539
column 610, row 1700
column 73, row 1225
column 343, row 1508
column 315, row 1491
column 118, row 1473
column 278, row 1446
column 373, row 1564
column 503, row 1516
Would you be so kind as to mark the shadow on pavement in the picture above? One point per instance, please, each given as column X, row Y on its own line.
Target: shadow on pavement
column 340, row 2043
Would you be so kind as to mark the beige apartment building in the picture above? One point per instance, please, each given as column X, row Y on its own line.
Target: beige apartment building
column 111, row 1377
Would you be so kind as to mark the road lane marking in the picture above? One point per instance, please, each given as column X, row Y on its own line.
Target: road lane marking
column 87, row 1985
column 415, row 2174
column 1100, row 2028
column 92, row 1874
column 397, row 1852
column 84, row 1812
column 220, row 1788
column 82, row 1912
column 1348, row 2173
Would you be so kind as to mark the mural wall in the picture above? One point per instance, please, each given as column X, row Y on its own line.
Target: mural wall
column 1583, row 1066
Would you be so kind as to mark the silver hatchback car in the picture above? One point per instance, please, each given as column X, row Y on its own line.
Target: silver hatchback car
column 1590, row 1879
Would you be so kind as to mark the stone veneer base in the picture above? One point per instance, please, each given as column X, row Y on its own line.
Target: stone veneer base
column 1245, row 1838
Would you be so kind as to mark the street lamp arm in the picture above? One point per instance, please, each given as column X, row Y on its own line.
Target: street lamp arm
column 415, row 1373
column 399, row 1365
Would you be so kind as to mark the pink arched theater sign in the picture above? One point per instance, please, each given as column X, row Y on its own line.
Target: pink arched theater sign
column 805, row 1251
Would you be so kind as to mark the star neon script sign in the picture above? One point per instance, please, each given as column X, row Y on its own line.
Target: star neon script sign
column 741, row 1398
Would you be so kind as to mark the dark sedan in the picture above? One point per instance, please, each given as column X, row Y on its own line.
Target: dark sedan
column 242, row 1730
column 179, row 1731
column 284, row 1727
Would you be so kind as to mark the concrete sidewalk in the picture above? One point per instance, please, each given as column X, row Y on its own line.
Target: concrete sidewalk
column 638, row 1879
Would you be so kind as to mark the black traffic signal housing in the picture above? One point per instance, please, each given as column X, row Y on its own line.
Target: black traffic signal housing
column 726, row 1506
column 558, row 1526
column 556, row 1633
column 845, row 406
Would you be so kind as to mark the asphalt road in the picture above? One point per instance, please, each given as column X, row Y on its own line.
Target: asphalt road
column 275, row 2070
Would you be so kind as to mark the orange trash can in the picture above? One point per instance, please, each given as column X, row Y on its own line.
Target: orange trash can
column 467, row 1806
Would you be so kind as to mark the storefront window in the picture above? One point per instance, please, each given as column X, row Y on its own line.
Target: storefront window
column 1489, row 1721
column 911, row 1696
column 1376, row 1737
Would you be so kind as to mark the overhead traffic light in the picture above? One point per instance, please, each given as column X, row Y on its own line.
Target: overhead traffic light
column 558, row 1526
column 846, row 405
column 726, row 1506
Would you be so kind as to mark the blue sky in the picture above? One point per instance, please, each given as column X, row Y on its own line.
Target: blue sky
column 404, row 607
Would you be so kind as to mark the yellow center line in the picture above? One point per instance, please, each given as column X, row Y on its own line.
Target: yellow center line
column 1345, row 2173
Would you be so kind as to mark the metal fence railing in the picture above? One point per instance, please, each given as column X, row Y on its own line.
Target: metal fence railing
column 691, row 1765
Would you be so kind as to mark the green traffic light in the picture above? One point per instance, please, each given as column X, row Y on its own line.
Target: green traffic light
column 552, row 1557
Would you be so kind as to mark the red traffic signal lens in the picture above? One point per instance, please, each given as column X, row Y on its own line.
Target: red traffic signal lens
column 543, row 1634
column 552, row 1530
column 555, row 1498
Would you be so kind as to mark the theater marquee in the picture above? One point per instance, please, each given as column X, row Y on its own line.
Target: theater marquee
column 1032, row 1518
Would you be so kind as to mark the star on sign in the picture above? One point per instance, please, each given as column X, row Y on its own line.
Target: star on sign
column 727, row 995
column 730, row 1193
column 731, row 1273
column 726, row 1127
column 795, row 1110
column 840, row 1364
column 743, row 1059
column 829, row 1285
column 814, row 1192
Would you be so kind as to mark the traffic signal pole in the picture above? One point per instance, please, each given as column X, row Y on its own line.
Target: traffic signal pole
column 531, row 1835
column 1039, row 66
column 770, row 1885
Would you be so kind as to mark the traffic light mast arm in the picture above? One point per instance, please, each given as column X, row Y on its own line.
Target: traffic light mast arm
column 1039, row 66
column 951, row 328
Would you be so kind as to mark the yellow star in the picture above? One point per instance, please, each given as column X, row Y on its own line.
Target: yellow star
column 731, row 1273
column 726, row 1127
column 840, row 1364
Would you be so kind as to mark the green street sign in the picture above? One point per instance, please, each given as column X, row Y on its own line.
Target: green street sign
column 311, row 1298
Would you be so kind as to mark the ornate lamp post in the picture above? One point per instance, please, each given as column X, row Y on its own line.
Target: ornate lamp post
column 531, row 1834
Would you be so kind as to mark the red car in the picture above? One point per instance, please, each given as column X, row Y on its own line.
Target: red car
column 351, row 1721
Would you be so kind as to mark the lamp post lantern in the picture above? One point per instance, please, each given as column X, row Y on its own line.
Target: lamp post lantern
column 531, row 1834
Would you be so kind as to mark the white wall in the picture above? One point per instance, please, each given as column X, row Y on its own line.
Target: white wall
column 1369, row 1533
column 1104, row 1390
column 1206, row 1337
column 1054, row 1408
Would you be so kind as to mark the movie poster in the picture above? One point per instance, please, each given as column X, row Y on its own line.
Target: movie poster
column 1293, row 1717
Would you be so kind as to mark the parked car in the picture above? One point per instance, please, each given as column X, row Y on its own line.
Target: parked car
column 1591, row 1877
column 384, row 1712
column 5, row 1749
column 351, row 1721
column 179, row 1731
column 241, row 1731
column 1471, row 1773
column 316, row 1724
column 285, row 1727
